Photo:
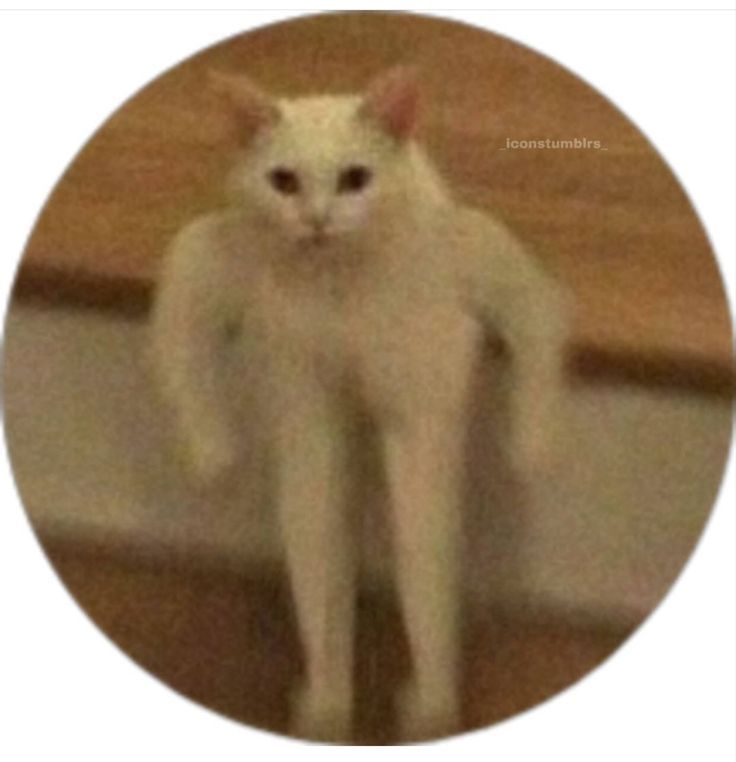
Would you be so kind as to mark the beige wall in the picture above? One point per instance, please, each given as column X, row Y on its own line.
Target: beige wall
column 91, row 449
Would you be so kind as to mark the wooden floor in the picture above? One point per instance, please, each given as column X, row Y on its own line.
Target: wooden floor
column 228, row 641
column 614, row 223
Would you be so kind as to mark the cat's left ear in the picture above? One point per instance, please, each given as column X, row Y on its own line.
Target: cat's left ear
column 253, row 109
column 392, row 101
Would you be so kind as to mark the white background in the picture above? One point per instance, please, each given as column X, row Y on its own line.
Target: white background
column 67, row 693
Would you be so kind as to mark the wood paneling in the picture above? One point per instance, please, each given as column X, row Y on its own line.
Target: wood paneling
column 614, row 223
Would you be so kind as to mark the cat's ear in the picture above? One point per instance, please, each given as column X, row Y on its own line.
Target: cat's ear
column 392, row 101
column 252, row 109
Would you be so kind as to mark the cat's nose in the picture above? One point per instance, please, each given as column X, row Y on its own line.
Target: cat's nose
column 318, row 221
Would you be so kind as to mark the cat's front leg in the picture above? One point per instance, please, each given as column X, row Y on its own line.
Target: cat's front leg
column 532, row 313
column 539, row 409
column 207, row 438
column 422, row 460
column 188, row 351
column 318, row 542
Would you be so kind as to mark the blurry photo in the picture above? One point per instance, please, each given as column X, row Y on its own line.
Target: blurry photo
column 368, row 378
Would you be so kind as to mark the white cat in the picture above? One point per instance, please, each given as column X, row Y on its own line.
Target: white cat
column 356, row 279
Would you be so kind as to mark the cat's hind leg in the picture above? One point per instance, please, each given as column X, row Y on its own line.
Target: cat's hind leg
column 318, row 542
column 422, row 462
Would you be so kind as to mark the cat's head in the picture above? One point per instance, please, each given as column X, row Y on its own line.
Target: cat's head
column 322, row 168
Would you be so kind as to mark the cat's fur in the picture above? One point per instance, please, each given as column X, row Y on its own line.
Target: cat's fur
column 378, row 295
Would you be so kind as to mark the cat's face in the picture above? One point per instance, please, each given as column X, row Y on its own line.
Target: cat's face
column 321, row 173
column 326, row 168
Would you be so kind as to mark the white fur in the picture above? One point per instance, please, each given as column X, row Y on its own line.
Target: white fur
column 388, row 312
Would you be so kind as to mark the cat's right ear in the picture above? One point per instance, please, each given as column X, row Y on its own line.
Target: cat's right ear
column 392, row 101
column 251, row 109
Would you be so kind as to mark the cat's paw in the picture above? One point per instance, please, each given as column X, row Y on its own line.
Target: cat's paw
column 426, row 715
column 209, row 458
column 324, row 717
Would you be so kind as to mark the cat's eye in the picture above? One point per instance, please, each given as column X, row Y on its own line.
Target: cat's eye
column 354, row 179
column 285, row 181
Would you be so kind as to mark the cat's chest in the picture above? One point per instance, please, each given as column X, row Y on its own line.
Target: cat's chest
column 384, row 332
column 294, row 314
column 314, row 321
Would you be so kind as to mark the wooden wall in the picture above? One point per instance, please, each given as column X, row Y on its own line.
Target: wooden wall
column 614, row 223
